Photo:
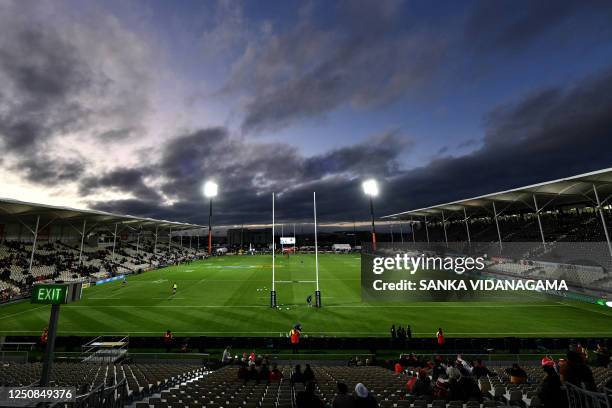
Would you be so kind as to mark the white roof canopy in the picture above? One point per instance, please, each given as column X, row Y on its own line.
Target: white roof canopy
column 577, row 190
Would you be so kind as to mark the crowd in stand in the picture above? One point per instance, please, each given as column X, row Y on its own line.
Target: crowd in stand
column 457, row 379
column 53, row 258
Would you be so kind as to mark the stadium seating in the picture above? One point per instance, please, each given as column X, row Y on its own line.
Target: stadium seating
column 141, row 380
column 223, row 388
column 60, row 261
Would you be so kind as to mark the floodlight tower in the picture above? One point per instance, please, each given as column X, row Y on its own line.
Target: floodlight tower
column 370, row 188
column 210, row 191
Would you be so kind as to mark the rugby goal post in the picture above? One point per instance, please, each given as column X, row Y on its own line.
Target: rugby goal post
column 273, row 299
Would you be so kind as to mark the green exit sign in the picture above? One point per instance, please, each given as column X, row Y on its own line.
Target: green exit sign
column 49, row 294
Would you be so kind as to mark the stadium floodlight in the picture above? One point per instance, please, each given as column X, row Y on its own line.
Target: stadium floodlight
column 370, row 188
column 210, row 191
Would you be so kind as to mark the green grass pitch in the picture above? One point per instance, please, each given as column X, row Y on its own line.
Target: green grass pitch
column 229, row 296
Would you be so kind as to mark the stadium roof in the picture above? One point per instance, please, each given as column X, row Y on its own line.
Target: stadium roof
column 20, row 210
column 577, row 190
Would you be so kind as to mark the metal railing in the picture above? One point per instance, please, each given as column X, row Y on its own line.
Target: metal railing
column 580, row 398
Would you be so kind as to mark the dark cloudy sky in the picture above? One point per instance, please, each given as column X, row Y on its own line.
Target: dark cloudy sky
column 130, row 106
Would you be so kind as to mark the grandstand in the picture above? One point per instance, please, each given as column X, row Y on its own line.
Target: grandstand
column 553, row 229
column 39, row 242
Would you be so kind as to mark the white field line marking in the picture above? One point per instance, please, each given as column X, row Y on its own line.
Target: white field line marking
column 22, row 312
column 427, row 334
column 334, row 306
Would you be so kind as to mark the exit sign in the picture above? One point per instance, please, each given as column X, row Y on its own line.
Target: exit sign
column 49, row 294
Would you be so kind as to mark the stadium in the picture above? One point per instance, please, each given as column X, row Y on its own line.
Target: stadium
column 127, row 266
column 305, row 204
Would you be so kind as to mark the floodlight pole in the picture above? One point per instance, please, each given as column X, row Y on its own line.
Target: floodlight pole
column 373, row 226
column 137, row 242
column 318, row 291
column 169, row 240
column 401, row 232
column 412, row 229
column 467, row 226
column 391, row 230
column 273, row 292
column 426, row 230
column 501, row 246
column 34, row 243
column 155, row 244
column 294, row 240
column 603, row 220
column 114, row 242
column 82, row 241
column 535, row 202
column 444, row 227
column 210, row 227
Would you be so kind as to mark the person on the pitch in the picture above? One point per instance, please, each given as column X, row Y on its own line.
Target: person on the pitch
column 124, row 280
column 309, row 300
column 174, row 288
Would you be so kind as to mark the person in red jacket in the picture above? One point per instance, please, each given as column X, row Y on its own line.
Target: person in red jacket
column 44, row 337
column 440, row 337
column 294, row 337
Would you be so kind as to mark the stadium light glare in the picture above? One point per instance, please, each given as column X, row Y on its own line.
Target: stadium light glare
column 370, row 187
column 609, row 303
column 210, row 189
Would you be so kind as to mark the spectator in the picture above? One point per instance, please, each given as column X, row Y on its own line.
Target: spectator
column 363, row 398
column 264, row 374
column 297, row 376
column 308, row 374
column 243, row 372
column 227, row 356
column 409, row 332
column 452, row 372
column 583, row 352
column 294, row 337
column 44, row 337
column 517, row 374
column 550, row 393
column 441, row 388
column 480, row 370
column 422, row 386
column 275, row 375
column 307, row 398
column 410, row 383
column 440, row 337
column 342, row 399
column 253, row 374
column 168, row 340
column 576, row 372
column 412, row 360
column 439, row 369
column 393, row 332
column 602, row 356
